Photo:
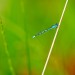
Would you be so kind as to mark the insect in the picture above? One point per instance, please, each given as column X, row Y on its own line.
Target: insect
column 52, row 27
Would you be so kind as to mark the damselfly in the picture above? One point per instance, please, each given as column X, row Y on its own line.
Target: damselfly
column 52, row 27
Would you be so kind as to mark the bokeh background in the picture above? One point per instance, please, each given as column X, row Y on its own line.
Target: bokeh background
column 20, row 54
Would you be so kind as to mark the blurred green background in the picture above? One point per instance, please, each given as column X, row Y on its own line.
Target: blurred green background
column 22, row 55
